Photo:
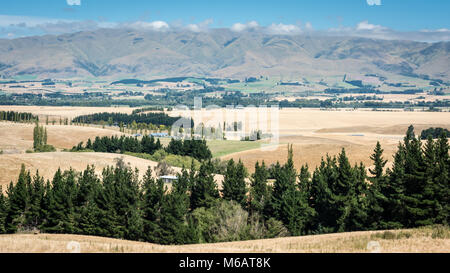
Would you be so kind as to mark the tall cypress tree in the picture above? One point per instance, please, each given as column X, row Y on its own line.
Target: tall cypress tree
column 153, row 194
column 109, row 220
column 394, row 209
column 234, row 187
column 3, row 212
column 442, row 181
column 375, row 197
column 35, row 215
column 204, row 189
column 61, row 212
column 174, row 210
column 259, row 190
column 18, row 202
column 415, row 182
column 285, row 180
column 322, row 196
column 87, row 211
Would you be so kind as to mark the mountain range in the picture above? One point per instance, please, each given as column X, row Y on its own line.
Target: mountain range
column 122, row 53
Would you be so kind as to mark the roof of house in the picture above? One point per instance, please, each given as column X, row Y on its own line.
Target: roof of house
column 170, row 177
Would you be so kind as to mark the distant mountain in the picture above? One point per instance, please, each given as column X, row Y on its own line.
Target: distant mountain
column 118, row 53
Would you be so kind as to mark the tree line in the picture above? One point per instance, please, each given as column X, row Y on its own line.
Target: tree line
column 122, row 144
column 40, row 139
column 434, row 133
column 127, row 119
column 17, row 116
column 197, row 149
column 278, row 201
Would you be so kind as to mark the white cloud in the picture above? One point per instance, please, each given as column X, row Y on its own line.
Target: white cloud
column 366, row 30
column 374, row 2
column 21, row 26
column 364, row 25
column 283, row 29
column 200, row 27
column 74, row 2
column 239, row 27
column 155, row 25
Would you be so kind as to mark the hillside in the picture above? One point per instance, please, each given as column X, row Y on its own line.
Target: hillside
column 115, row 53
column 413, row 240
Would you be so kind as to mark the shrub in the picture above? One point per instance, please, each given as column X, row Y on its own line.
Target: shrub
column 45, row 149
column 440, row 232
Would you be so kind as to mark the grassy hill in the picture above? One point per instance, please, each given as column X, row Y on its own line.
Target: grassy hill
column 427, row 239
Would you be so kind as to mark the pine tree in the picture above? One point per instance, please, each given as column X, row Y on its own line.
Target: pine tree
column 109, row 220
column 375, row 198
column 204, row 189
column 259, row 190
column 285, row 180
column 234, row 187
column 174, row 226
column 35, row 215
column 344, row 191
column 153, row 194
column 417, row 211
column 86, row 208
column 442, row 181
column 3, row 212
column 322, row 198
column 18, row 202
column 288, row 203
column 394, row 210
column 56, row 218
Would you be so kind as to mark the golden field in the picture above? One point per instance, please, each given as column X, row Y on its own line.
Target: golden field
column 313, row 133
column 48, row 164
column 18, row 137
column 56, row 112
column 417, row 240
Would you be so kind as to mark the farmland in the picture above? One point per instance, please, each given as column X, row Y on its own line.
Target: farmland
column 399, row 241
column 311, row 131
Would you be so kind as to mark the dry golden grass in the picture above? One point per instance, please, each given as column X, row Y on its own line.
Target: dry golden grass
column 18, row 137
column 315, row 133
column 64, row 111
column 48, row 164
column 414, row 240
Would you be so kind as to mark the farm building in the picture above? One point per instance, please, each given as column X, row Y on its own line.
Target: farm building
column 168, row 179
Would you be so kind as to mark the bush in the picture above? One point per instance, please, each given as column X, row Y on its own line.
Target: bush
column 275, row 229
column 172, row 160
column 224, row 222
column 440, row 232
column 45, row 149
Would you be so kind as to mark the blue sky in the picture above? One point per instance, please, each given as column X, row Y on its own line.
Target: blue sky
column 385, row 18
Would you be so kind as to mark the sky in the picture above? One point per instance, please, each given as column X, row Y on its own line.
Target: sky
column 422, row 20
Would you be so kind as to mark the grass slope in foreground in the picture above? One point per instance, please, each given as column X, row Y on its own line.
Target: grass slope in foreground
column 425, row 239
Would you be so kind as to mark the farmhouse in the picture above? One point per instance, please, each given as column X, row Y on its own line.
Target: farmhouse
column 159, row 134
column 168, row 179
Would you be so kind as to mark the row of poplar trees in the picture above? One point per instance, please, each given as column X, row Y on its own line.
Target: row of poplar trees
column 335, row 197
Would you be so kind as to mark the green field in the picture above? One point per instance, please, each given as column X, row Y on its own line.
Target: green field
column 221, row 148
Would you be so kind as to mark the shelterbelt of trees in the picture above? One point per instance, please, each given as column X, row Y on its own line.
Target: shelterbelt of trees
column 17, row 116
column 194, row 148
column 127, row 119
column 335, row 197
